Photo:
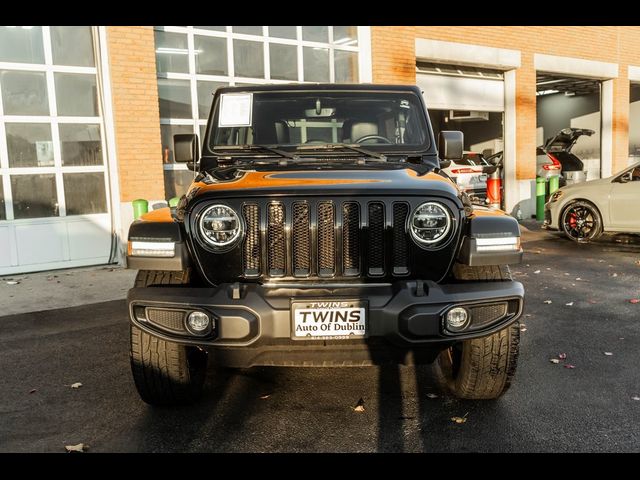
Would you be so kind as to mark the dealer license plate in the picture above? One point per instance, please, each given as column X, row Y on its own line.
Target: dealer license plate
column 329, row 319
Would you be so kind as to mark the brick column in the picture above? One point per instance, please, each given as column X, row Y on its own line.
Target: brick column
column 136, row 113
column 525, row 119
column 393, row 50
column 620, row 125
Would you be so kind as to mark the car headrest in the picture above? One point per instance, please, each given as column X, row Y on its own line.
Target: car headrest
column 352, row 131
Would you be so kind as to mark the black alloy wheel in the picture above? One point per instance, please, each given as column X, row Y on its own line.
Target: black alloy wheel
column 581, row 222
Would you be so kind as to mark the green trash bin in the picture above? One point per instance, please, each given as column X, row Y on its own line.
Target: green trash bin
column 140, row 207
column 541, row 192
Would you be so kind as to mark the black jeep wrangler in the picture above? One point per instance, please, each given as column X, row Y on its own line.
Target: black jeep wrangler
column 320, row 231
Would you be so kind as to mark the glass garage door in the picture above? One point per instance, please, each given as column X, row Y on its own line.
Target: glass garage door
column 54, row 205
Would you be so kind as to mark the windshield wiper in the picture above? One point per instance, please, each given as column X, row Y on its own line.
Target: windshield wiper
column 337, row 146
column 263, row 148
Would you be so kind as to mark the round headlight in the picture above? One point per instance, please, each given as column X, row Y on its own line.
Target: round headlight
column 220, row 226
column 430, row 223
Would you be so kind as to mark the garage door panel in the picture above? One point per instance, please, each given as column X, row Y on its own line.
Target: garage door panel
column 89, row 238
column 42, row 243
column 5, row 247
column 446, row 92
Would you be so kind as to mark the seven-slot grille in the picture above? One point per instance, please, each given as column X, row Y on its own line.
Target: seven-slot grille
column 325, row 239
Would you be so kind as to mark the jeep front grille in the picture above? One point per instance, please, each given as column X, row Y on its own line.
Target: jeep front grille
column 309, row 238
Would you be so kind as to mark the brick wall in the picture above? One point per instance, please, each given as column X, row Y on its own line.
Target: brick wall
column 136, row 114
column 393, row 53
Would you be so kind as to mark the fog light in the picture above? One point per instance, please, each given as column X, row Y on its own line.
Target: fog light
column 198, row 322
column 457, row 319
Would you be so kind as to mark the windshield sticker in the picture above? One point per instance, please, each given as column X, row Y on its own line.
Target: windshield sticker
column 235, row 110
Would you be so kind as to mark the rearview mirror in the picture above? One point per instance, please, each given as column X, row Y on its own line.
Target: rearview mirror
column 186, row 148
column 450, row 143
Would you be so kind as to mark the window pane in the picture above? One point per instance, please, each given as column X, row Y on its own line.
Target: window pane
column 215, row 29
column 3, row 215
column 84, row 193
column 76, row 94
column 166, row 136
column 72, row 46
column 248, row 59
column 211, row 55
column 172, row 54
column 315, row 34
column 176, row 182
column 24, row 93
column 252, row 30
column 284, row 61
column 346, row 66
column 29, row 145
column 345, row 36
column 316, row 64
column 205, row 96
column 283, row 32
column 21, row 44
column 80, row 144
column 34, row 196
column 175, row 98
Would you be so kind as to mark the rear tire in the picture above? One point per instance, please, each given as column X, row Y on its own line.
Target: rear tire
column 165, row 373
column 480, row 368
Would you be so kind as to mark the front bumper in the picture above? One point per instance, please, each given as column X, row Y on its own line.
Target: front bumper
column 550, row 216
column 254, row 322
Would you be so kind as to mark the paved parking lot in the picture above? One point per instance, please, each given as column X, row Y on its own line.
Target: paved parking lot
column 549, row 408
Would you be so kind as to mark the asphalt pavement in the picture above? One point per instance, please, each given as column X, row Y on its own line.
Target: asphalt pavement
column 549, row 408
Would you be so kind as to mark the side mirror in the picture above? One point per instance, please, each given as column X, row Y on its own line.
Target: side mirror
column 450, row 145
column 186, row 149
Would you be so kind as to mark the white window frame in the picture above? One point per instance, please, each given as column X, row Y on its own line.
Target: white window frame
column 54, row 120
column 363, row 50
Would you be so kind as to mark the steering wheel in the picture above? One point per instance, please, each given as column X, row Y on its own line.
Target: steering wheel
column 373, row 137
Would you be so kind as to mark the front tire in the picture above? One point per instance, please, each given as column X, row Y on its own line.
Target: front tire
column 165, row 373
column 480, row 368
column 581, row 221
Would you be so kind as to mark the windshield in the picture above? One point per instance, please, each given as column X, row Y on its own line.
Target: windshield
column 384, row 121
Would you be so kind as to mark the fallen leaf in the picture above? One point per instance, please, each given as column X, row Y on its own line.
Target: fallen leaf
column 432, row 395
column 523, row 329
column 570, row 304
column 562, row 356
column 548, row 302
column 554, row 360
column 528, row 265
column 76, row 385
column 637, row 262
column 578, row 279
column 600, row 261
column 33, row 390
column 568, row 365
column 462, row 419
column 264, row 397
column 566, row 273
column 592, row 301
column 548, row 268
column 359, row 406
column 634, row 300
column 527, row 315
column 614, row 274
column 608, row 353
column 12, row 282
column 537, row 271
column 635, row 397
column 81, row 447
